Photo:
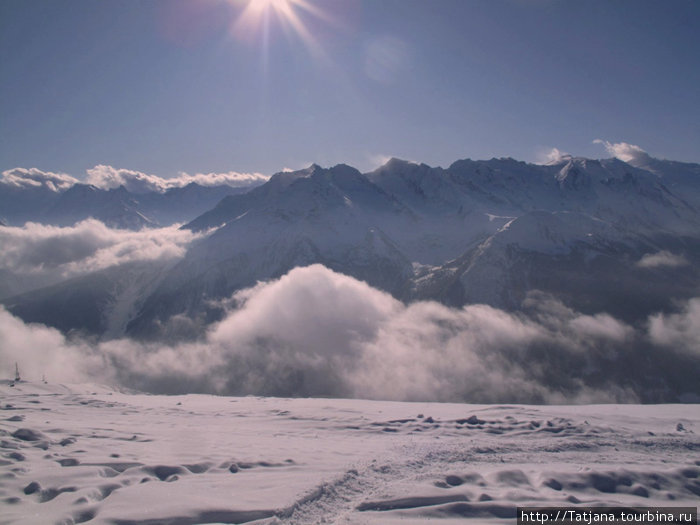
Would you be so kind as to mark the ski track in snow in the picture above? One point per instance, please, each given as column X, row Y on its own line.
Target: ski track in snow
column 88, row 454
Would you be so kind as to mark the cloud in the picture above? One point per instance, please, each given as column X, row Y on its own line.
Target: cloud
column 662, row 259
column 107, row 177
column 37, row 249
column 40, row 350
column 625, row 152
column 378, row 160
column 35, row 178
column 553, row 156
column 679, row 330
column 601, row 327
column 314, row 332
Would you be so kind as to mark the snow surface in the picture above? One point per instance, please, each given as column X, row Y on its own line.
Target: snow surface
column 86, row 453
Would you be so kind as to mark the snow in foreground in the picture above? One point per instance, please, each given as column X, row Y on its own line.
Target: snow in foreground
column 84, row 453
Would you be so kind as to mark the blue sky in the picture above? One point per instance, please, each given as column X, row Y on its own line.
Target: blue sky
column 169, row 86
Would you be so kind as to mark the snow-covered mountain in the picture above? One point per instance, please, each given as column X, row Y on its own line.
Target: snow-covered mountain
column 19, row 204
column 328, row 216
column 590, row 264
column 116, row 207
column 597, row 234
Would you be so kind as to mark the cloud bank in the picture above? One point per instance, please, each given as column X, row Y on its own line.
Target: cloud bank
column 314, row 332
column 62, row 252
column 40, row 350
column 107, row 177
column 35, row 178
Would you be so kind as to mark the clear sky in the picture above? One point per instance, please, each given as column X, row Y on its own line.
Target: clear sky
column 257, row 86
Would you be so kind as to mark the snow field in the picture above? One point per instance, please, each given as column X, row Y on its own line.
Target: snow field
column 88, row 454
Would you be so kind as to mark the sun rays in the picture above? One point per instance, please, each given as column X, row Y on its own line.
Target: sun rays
column 260, row 16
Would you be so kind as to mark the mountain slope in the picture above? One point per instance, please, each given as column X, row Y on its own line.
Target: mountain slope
column 589, row 264
column 310, row 216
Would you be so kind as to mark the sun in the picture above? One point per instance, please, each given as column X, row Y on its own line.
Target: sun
column 284, row 10
column 261, row 5
column 258, row 17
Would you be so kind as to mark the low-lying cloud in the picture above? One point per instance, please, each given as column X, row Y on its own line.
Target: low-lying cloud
column 40, row 350
column 107, row 177
column 679, row 330
column 314, row 332
column 37, row 249
column 662, row 259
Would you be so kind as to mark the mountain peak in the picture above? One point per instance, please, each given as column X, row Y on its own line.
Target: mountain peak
column 394, row 163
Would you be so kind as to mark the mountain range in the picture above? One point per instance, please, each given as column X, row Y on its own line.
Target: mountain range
column 115, row 207
column 598, row 235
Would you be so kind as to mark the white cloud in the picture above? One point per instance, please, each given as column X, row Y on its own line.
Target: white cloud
column 314, row 332
column 85, row 247
column 553, row 156
column 680, row 330
column 429, row 351
column 601, row 326
column 33, row 177
column 40, row 350
column 662, row 259
column 625, row 152
column 107, row 177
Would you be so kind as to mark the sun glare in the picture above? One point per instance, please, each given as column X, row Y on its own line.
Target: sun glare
column 266, row 4
column 258, row 17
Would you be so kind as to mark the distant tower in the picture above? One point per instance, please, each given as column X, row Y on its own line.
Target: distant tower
column 17, row 378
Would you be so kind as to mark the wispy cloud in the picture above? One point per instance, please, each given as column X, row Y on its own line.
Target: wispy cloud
column 378, row 160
